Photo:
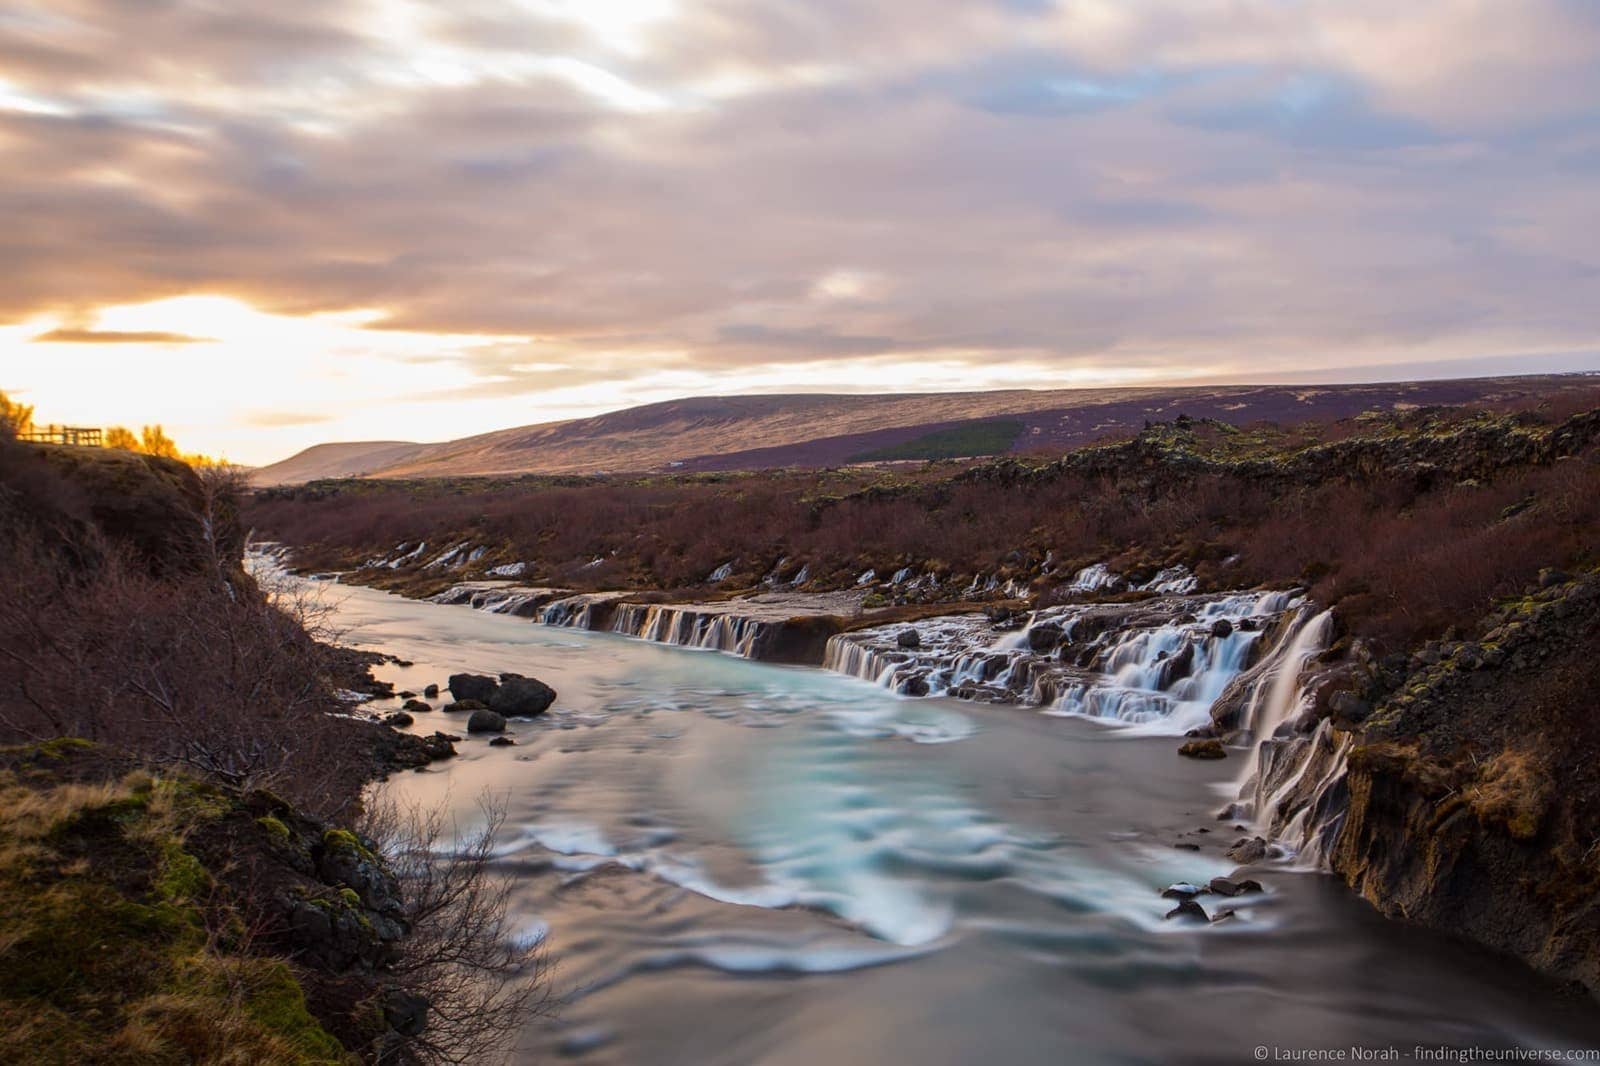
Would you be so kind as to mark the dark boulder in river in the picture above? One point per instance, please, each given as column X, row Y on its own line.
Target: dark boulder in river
column 472, row 687
column 486, row 721
column 520, row 696
column 1203, row 749
column 909, row 638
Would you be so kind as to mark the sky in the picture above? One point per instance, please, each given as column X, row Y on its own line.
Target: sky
column 266, row 226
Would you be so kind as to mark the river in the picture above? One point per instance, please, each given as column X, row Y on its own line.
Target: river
column 735, row 862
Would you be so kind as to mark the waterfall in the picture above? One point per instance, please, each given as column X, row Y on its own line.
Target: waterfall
column 1159, row 664
column 1283, row 695
column 692, row 627
column 1292, row 785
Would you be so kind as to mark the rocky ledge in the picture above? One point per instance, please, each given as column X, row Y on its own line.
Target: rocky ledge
column 1474, row 788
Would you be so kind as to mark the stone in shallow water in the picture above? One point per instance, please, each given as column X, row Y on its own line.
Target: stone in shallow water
column 477, row 687
column 1189, row 911
column 1181, row 890
column 486, row 721
column 1203, row 749
column 520, row 696
column 1247, row 850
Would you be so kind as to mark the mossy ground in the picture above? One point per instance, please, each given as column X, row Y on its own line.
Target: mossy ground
column 113, row 947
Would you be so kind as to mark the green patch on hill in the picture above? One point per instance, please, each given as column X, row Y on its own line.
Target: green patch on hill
column 957, row 442
column 116, row 945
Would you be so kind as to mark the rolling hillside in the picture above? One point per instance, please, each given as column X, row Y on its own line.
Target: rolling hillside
column 757, row 432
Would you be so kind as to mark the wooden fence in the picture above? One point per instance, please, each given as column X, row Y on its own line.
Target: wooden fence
column 82, row 435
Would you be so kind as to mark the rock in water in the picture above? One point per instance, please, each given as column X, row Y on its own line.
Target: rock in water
column 465, row 705
column 909, row 638
column 399, row 719
column 416, row 707
column 1189, row 911
column 522, row 697
column 501, row 742
column 1181, row 890
column 1223, row 886
column 486, row 721
column 1044, row 637
column 1203, row 749
column 432, row 692
column 473, row 687
column 1248, row 850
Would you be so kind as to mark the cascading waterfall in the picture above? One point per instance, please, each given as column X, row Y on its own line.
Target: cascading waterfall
column 748, row 629
column 1160, row 664
column 1292, row 785
column 689, row 627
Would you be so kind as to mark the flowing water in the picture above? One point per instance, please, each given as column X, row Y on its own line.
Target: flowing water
column 734, row 862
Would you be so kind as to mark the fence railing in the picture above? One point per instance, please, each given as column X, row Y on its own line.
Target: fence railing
column 81, row 435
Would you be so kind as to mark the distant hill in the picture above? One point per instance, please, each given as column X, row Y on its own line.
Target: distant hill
column 758, row 432
column 353, row 459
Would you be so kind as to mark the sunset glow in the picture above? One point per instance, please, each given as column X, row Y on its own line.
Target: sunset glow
column 418, row 221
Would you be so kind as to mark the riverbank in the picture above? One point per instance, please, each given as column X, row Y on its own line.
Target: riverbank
column 191, row 869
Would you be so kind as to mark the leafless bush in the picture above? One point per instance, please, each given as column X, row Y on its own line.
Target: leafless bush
column 483, row 981
column 199, row 671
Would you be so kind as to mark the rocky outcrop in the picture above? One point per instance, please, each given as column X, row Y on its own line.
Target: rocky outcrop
column 509, row 696
column 1474, row 792
column 520, row 697
column 106, row 926
column 473, row 687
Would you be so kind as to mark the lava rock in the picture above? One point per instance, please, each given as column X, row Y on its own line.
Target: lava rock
column 909, row 638
column 1203, row 749
column 520, row 696
column 1348, row 708
column 1043, row 637
column 473, row 687
column 486, row 721
column 1247, row 850
column 1189, row 911
column 405, row 1012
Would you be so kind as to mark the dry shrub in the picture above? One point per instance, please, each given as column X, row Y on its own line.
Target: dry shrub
column 482, row 978
column 1406, row 557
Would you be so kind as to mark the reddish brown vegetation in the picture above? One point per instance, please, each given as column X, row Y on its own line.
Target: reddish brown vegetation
column 157, row 644
column 1406, row 546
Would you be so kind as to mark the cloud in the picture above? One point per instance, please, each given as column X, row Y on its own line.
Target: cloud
column 603, row 192
column 279, row 419
column 67, row 335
